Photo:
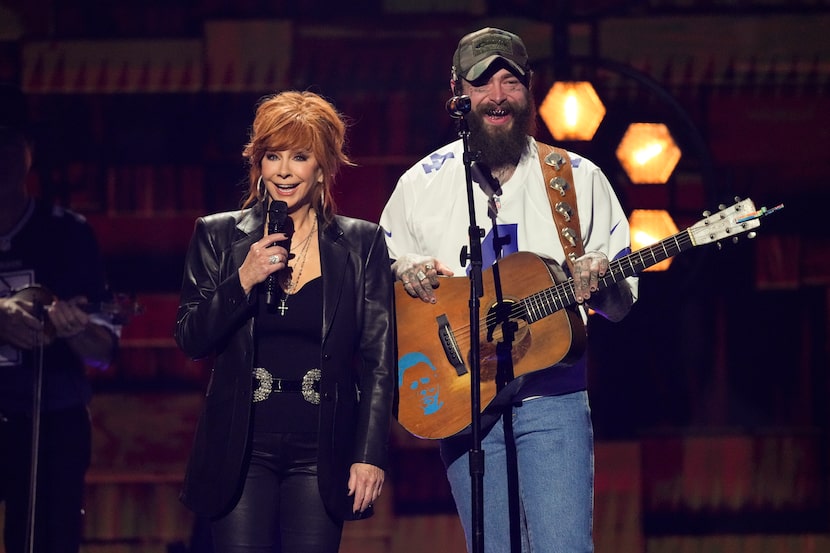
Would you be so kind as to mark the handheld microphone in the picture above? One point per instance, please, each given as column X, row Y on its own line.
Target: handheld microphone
column 459, row 106
column 278, row 221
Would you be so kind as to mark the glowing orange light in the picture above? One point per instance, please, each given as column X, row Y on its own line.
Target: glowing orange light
column 649, row 226
column 572, row 110
column 648, row 153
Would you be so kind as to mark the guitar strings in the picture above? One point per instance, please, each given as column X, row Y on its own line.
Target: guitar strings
column 547, row 300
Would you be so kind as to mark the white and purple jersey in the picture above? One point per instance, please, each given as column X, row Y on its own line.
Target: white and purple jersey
column 428, row 214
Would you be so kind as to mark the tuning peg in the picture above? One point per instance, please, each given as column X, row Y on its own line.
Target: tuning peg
column 721, row 207
column 707, row 213
column 734, row 239
column 751, row 234
column 737, row 199
column 720, row 246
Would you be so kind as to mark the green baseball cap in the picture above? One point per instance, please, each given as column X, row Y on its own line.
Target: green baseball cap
column 477, row 51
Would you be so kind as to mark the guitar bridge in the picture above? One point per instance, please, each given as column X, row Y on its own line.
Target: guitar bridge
column 445, row 334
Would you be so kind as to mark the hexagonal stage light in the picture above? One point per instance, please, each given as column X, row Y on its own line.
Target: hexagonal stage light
column 648, row 153
column 649, row 226
column 572, row 110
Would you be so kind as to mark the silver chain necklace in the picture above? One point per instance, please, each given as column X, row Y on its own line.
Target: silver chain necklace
column 290, row 286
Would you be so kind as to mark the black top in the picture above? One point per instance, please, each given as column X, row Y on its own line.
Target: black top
column 288, row 346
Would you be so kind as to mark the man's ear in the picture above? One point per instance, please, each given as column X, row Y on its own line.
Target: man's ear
column 455, row 82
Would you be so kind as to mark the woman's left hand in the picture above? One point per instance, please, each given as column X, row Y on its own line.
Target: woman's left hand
column 365, row 484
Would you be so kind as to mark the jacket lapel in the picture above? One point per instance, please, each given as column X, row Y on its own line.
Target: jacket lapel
column 333, row 260
column 249, row 230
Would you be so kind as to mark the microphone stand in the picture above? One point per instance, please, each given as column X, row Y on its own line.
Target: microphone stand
column 458, row 107
column 504, row 366
column 37, row 387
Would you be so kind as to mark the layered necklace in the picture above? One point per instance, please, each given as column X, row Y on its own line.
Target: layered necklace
column 289, row 285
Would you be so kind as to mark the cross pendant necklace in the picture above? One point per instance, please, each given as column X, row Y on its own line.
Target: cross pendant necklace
column 292, row 284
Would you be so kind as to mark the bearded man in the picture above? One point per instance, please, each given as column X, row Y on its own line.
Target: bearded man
column 538, row 466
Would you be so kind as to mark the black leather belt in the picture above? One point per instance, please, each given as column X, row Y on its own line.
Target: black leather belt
column 283, row 385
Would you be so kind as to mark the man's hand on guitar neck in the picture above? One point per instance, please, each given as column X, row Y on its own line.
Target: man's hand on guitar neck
column 588, row 269
column 612, row 302
column 419, row 275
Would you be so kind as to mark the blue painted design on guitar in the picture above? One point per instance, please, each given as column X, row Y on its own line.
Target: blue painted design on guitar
column 419, row 372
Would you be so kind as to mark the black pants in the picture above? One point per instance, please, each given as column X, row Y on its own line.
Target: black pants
column 280, row 509
column 64, row 455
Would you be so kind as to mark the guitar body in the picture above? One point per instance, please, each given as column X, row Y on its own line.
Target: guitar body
column 434, row 385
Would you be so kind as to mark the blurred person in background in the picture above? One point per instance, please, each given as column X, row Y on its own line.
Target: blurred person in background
column 52, row 329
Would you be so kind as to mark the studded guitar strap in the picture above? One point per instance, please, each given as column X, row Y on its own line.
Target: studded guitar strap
column 558, row 174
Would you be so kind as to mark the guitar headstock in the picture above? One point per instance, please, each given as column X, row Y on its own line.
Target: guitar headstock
column 729, row 222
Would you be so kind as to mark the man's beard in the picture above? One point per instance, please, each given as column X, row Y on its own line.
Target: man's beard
column 501, row 147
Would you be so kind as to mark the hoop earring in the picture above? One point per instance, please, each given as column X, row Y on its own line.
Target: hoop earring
column 260, row 188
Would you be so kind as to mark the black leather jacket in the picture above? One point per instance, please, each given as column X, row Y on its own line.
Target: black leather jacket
column 357, row 358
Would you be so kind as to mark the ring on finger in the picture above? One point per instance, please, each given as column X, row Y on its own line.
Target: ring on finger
column 421, row 275
column 429, row 267
column 274, row 259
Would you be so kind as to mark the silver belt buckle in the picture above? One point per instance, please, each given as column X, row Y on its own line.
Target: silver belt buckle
column 266, row 383
column 311, row 378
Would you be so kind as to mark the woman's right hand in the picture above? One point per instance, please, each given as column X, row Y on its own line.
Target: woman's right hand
column 264, row 258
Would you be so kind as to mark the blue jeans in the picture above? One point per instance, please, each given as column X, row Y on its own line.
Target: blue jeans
column 554, row 458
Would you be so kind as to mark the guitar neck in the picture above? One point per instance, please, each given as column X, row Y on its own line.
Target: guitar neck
column 548, row 301
column 727, row 223
column 644, row 258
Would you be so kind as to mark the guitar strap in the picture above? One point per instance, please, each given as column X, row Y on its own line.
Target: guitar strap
column 559, row 183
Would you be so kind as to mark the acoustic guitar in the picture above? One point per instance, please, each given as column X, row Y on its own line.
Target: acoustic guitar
column 547, row 330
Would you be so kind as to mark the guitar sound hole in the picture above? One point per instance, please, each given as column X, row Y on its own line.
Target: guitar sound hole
column 493, row 337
